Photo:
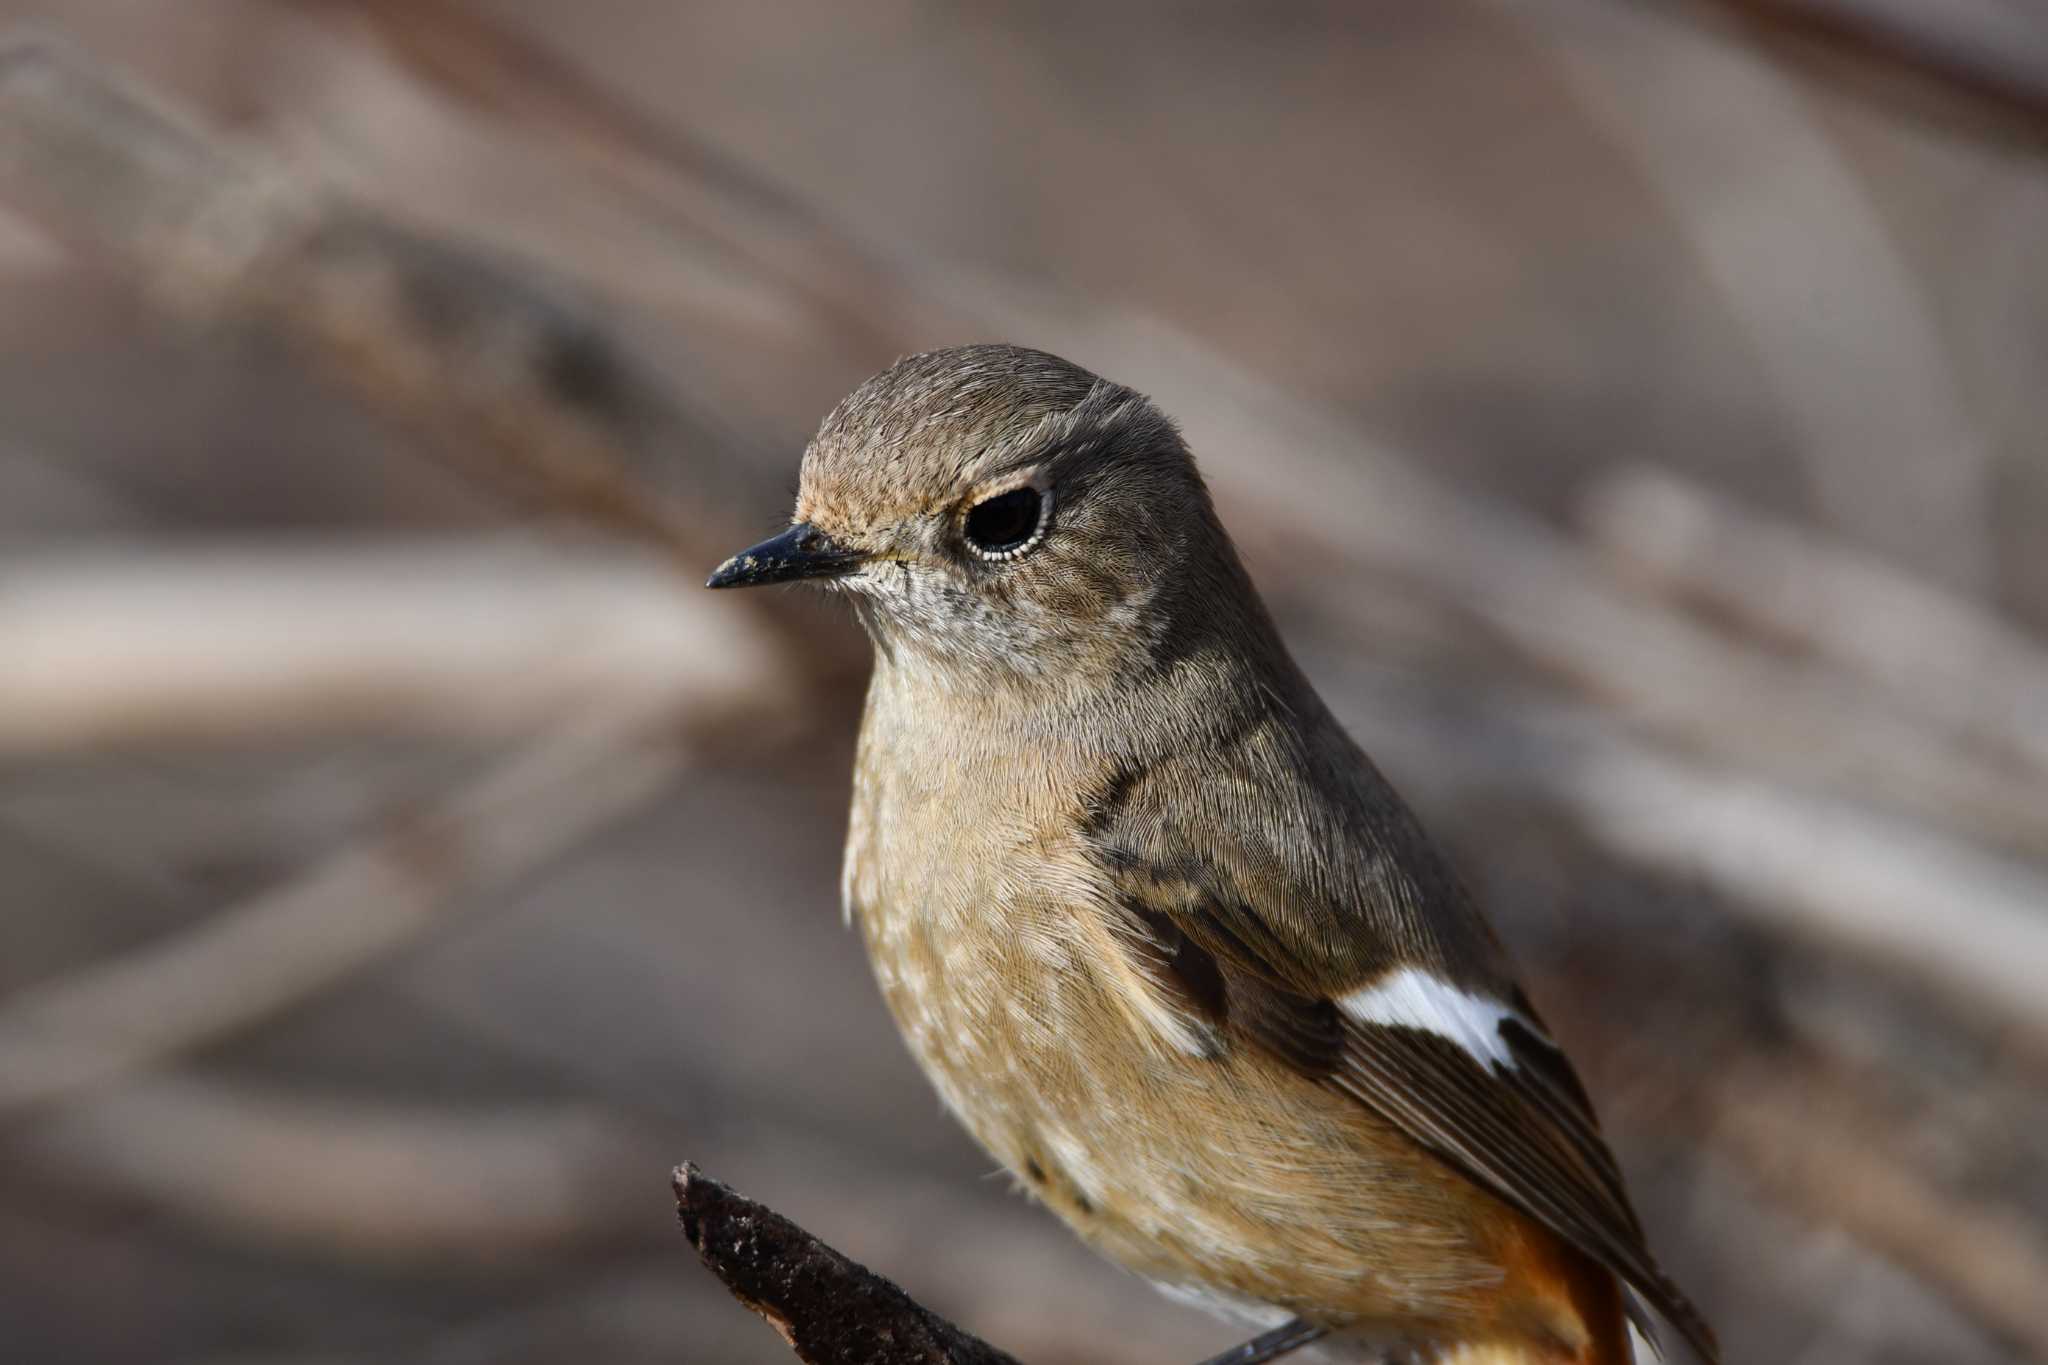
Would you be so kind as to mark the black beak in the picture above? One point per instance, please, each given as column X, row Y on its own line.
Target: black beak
column 803, row 551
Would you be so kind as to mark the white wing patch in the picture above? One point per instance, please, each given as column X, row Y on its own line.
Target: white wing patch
column 1415, row 998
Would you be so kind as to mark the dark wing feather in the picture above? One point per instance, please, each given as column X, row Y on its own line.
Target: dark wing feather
column 1526, row 1132
column 1510, row 1133
column 1288, row 934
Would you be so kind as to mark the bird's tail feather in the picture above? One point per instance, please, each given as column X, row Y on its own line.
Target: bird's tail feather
column 1527, row 1353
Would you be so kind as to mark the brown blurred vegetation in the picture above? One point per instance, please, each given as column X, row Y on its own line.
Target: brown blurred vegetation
column 1633, row 412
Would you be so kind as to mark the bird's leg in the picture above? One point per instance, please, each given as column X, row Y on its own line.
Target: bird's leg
column 1285, row 1339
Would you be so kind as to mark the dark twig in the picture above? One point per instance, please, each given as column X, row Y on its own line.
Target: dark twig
column 830, row 1310
column 1286, row 1339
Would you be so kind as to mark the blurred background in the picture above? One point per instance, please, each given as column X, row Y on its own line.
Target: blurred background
column 1633, row 411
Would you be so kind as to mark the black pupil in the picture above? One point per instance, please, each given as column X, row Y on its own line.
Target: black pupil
column 1005, row 522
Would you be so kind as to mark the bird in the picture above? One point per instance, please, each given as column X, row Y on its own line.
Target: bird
column 1159, row 932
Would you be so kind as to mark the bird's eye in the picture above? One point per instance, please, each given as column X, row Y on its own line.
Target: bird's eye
column 1006, row 525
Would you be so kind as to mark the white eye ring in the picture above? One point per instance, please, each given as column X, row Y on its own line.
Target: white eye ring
column 1003, row 534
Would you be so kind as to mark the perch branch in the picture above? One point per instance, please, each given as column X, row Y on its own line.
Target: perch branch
column 829, row 1309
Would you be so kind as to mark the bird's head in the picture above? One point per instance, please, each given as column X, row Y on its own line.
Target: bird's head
column 1003, row 516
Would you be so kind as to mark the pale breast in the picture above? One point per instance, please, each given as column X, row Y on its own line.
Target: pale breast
column 1190, row 1160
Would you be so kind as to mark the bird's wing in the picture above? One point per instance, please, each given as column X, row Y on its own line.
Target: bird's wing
column 1372, row 974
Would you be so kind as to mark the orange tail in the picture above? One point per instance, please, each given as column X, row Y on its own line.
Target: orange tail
column 1519, row 1353
column 1561, row 1309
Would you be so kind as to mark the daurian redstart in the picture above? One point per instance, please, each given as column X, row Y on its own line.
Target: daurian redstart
column 1162, row 936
